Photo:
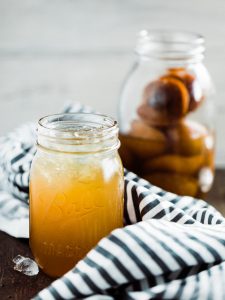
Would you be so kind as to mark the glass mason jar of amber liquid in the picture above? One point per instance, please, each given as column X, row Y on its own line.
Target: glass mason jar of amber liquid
column 166, row 113
column 76, row 188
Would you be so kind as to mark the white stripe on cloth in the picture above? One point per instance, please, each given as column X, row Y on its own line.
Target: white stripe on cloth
column 64, row 290
column 130, row 203
column 174, row 247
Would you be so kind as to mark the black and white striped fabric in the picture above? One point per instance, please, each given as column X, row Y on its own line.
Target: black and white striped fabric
column 171, row 247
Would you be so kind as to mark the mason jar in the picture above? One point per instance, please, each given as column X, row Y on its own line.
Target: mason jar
column 76, row 188
column 166, row 113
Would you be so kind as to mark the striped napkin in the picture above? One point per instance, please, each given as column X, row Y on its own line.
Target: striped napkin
column 172, row 247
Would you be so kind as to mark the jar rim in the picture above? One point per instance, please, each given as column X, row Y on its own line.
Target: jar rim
column 170, row 44
column 74, row 132
column 74, row 125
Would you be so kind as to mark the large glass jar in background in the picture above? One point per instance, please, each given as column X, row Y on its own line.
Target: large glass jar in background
column 76, row 188
column 166, row 113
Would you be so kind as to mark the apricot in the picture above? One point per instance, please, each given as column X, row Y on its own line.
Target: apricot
column 154, row 117
column 144, row 148
column 164, row 100
column 175, row 183
column 175, row 163
column 187, row 138
column 141, row 130
column 194, row 89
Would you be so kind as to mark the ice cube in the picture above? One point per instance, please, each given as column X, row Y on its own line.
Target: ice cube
column 25, row 265
column 17, row 259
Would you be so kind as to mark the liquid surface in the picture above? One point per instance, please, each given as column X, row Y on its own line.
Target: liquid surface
column 73, row 204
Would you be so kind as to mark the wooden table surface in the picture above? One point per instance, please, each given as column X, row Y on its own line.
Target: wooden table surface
column 14, row 285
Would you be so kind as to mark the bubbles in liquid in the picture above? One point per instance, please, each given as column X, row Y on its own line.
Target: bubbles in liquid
column 25, row 265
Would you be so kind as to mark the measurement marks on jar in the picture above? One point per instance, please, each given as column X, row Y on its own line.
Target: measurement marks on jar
column 58, row 250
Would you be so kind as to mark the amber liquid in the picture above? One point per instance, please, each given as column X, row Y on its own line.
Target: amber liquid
column 72, row 206
column 182, row 163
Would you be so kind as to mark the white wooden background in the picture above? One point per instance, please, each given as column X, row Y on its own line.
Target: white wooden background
column 52, row 51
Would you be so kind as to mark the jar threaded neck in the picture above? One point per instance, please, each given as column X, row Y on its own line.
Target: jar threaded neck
column 77, row 133
column 170, row 45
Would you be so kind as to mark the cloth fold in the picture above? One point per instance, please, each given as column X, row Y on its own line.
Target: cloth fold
column 172, row 247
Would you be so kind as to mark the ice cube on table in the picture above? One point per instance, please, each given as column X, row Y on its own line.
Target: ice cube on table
column 25, row 265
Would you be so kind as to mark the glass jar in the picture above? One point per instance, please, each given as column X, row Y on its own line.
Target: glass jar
column 76, row 188
column 166, row 113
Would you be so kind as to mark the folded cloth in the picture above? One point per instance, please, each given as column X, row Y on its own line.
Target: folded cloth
column 172, row 247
